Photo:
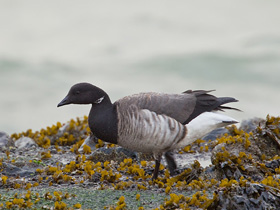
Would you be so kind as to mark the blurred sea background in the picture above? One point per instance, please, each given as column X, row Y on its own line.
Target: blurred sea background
column 127, row 47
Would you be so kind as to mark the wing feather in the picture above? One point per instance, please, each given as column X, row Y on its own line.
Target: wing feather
column 176, row 106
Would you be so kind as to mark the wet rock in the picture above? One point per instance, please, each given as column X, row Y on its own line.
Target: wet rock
column 25, row 142
column 5, row 141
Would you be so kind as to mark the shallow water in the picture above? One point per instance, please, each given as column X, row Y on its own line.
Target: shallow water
column 128, row 47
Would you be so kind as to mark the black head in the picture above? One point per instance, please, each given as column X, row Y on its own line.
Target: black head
column 84, row 93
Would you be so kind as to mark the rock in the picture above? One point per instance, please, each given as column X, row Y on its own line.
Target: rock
column 267, row 137
column 25, row 142
column 90, row 141
column 12, row 170
column 273, row 164
column 227, row 160
column 128, row 153
column 253, row 196
column 5, row 141
column 115, row 153
column 76, row 129
column 215, row 134
column 245, row 159
column 251, row 124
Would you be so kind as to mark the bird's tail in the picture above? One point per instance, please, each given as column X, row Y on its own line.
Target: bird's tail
column 225, row 100
column 203, row 124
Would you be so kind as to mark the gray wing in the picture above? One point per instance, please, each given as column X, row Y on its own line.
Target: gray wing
column 177, row 106
column 182, row 107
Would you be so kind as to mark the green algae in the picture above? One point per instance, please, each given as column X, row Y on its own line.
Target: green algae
column 91, row 198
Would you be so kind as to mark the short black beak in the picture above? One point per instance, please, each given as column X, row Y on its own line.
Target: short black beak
column 65, row 101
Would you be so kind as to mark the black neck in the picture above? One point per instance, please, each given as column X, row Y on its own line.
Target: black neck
column 103, row 121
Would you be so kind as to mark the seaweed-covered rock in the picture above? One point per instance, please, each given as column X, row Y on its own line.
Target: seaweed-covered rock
column 267, row 136
column 248, row 154
column 59, row 134
column 236, row 156
column 251, row 196
column 72, row 130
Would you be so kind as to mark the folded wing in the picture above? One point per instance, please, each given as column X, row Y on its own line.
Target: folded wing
column 182, row 107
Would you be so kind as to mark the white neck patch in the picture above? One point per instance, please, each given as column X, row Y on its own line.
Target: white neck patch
column 98, row 101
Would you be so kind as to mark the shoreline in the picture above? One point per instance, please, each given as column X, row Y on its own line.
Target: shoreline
column 48, row 168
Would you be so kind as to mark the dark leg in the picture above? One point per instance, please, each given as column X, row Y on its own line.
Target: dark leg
column 171, row 164
column 155, row 174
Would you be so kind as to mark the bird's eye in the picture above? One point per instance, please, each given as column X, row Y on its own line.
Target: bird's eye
column 77, row 92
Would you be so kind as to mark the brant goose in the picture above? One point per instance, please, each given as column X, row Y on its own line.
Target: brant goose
column 154, row 123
